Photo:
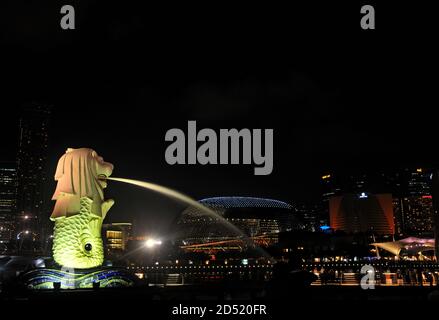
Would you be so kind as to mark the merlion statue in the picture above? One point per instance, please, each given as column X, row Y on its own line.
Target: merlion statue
column 80, row 208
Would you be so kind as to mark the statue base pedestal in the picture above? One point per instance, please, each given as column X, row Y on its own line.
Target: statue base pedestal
column 103, row 277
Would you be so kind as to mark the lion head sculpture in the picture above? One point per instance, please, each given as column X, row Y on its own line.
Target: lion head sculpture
column 81, row 173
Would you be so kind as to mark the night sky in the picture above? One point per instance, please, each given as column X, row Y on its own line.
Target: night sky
column 338, row 98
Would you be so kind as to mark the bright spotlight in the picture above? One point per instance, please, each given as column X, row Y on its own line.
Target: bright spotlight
column 150, row 243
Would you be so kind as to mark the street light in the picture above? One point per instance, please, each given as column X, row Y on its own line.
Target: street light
column 150, row 243
column 21, row 239
column 20, row 233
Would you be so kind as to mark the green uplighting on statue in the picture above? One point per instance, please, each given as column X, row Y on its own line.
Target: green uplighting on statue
column 80, row 209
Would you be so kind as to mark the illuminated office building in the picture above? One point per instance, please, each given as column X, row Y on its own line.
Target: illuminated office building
column 32, row 177
column 435, row 193
column 8, row 196
column 330, row 188
column 414, row 206
column 411, row 195
column 353, row 183
column 417, row 215
column 116, row 236
column 369, row 213
column 398, row 216
column 309, row 217
column 419, row 182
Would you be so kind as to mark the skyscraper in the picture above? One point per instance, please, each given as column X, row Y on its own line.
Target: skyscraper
column 330, row 188
column 31, row 159
column 419, row 182
column 416, row 203
column 410, row 189
column 435, row 192
column 309, row 216
column 362, row 213
column 116, row 237
column 8, row 204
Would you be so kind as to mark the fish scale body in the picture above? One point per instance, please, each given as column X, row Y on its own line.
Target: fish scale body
column 72, row 235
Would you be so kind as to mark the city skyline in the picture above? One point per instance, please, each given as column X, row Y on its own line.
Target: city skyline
column 325, row 105
column 278, row 154
column 410, row 187
column 12, row 154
